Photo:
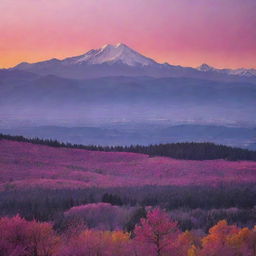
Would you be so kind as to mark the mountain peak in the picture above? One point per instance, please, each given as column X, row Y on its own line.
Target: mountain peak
column 118, row 45
column 119, row 53
column 106, row 46
column 121, row 45
column 205, row 67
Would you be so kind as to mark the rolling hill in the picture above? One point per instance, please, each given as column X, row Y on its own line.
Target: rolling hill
column 24, row 165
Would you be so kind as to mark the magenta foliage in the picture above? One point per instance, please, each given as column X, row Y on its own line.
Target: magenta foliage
column 157, row 232
column 19, row 237
column 26, row 164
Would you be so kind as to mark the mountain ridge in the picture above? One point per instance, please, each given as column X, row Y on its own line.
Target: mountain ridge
column 133, row 98
column 238, row 72
column 121, row 60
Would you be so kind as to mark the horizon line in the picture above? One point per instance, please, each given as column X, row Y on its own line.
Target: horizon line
column 118, row 44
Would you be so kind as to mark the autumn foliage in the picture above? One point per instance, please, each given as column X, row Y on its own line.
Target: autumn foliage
column 155, row 235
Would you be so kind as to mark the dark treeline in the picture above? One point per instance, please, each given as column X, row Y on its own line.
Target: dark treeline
column 207, row 204
column 184, row 150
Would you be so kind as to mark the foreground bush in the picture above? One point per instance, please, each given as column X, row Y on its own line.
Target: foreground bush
column 155, row 235
column 19, row 237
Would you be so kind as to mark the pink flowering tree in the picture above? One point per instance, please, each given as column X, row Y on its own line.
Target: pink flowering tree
column 19, row 237
column 157, row 233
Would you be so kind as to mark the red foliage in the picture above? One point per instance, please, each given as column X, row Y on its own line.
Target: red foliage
column 19, row 237
column 157, row 233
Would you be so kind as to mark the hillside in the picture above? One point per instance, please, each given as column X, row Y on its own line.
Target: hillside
column 24, row 165
column 56, row 101
column 180, row 150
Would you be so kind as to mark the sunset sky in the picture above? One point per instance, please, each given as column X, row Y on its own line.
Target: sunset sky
column 221, row 33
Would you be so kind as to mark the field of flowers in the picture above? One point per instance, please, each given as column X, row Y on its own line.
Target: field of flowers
column 24, row 165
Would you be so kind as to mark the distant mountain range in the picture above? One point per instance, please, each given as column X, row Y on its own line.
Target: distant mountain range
column 110, row 99
column 120, row 60
column 242, row 72
column 116, row 85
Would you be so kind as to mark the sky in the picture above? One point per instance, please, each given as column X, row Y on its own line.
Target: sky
column 221, row 33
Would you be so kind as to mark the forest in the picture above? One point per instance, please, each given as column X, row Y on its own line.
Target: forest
column 184, row 150
column 157, row 234
column 157, row 220
column 193, row 207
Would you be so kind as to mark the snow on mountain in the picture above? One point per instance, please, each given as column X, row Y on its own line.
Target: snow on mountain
column 121, row 60
column 112, row 54
column 243, row 72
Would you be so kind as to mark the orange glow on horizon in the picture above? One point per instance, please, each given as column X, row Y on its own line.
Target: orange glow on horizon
column 180, row 32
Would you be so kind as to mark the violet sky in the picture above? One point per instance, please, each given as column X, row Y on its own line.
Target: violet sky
column 182, row 32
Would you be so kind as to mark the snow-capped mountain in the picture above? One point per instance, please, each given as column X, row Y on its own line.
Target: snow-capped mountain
column 109, row 60
column 119, row 53
column 121, row 60
column 242, row 72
